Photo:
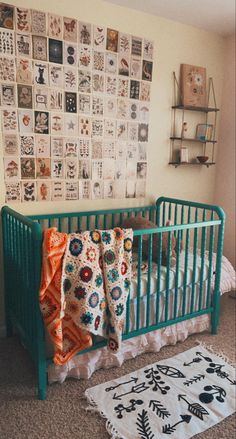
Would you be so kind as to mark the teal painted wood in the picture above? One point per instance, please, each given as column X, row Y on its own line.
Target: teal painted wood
column 149, row 274
column 203, row 256
column 22, row 237
column 186, row 264
column 211, row 249
column 168, row 264
column 195, row 249
column 177, row 273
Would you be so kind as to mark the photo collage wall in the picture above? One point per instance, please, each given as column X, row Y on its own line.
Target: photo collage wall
column 75, row 101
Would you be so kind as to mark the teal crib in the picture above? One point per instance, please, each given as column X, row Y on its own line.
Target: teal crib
column 170, row 294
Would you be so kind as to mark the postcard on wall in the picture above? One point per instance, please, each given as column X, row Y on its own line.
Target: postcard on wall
column 142, row 151
column 55, row 26
column 97, row 106
column 121, row 130
column 39, row 22
column 11, row 168
column 44, row 190
column 39, row 47
column 97, row 169
column 41, row 122
column 72, row 191
column 193, row 85
column 28, row 191
column 136, row 47
column 122, row 108
column 70, row 54
column 134, row 110
column 42, row 145
column 27, row 146
column 56, row 77
column 70, row 79
column 84, row 169
column 123, row 65
column 124, row 43
column 57, row 146
column 84, row 81
column 110, row 107
column 25, row 119
column 13, row 192
column 27, row 168
column 145, row 91
column 147, row 70
column 108, row 169
column 132, row 151
column 121, row 150
column 84, row 190
column 134, row 89
column 57, row 123
column 111, row 85
column 109, row 150
column 55, row 99
column 23, row 45
column 10, row 145
column 98, row 61
column 85, row 56
column 143, row 132
column 111, row 62
column 142, row 170
column 99, row 37
column 97, row 127
column 130, row 189
column 148, row 49
column 8, row 95
column 97, row 152
column 144, row 110
column 43, row 167
column 109, row 129
column 123, row 88
column 108, row 189
column 7, row 69
column 6, row 16
column 40, row 73
column 23, row 20
column 71, row 147
column 57, row 168
column 7, row 42
column 55, row 51
column 85, row 33
column 9, row 121
column 112, row 40
column 140, row 188
column 24, row 72
column 58, row 192
column 98, row 82
column 133, row 131
column 84, row 103
column 97, row 189
column 71, row 169
column 136, row 67
column 24, row 93
column 120, row 169
column 131, row 169
column 84, row 149
column 40, row 98
column 70, row 125
column 84, row 126
column 70, row 29
column 120, row 188
column 70, row 102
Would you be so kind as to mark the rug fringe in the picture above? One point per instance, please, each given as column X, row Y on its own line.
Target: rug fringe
column 111, row 430
column 219, row 354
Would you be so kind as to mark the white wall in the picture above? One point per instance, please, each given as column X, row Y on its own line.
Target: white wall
column 225, row 170
column 175, row 43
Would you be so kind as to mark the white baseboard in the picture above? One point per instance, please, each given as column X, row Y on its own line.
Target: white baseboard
column 2, row 331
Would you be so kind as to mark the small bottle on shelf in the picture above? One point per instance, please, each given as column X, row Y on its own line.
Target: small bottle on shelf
column 183, row 154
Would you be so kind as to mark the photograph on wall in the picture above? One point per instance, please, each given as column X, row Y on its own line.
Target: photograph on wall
column 75, row 107
column 193, row 85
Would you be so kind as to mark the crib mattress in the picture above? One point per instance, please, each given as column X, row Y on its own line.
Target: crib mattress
column 163, row 277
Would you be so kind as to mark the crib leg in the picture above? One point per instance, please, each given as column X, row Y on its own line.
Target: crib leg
column 214, row 321
column 42, row 379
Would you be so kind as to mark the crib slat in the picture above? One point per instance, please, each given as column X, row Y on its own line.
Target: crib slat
column 177, row 273
column 211, row 249
column 113, row 221
column 195, row 249
column 159, row 261
column 182, row 219
column 164, row 214
column 186, row 266
column 140, row 248
column 88, row 222
column 168, row 277
column 149, row 274
column 105, row 222
column 203, row 249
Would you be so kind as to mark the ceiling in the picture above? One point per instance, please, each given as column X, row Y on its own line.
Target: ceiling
column 212, row 15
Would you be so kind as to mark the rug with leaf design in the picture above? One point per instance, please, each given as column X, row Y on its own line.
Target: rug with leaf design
column 178, row 397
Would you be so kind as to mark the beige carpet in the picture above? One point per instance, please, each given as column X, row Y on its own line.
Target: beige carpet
column 62, row 415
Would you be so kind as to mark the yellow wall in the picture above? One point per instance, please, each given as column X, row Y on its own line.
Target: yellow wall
column 175, row 43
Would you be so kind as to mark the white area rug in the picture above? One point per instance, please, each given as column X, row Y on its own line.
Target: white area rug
column 178, row 397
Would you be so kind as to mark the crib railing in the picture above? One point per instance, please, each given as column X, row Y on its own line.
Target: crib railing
column 196, row 227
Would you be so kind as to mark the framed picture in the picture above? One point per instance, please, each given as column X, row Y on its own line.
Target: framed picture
column 204, row 131
column 193, row 86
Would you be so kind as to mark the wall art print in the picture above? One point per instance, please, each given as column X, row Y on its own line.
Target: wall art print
column 74, row 108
